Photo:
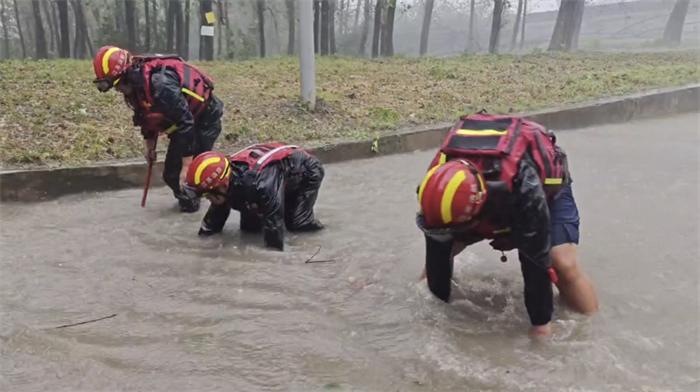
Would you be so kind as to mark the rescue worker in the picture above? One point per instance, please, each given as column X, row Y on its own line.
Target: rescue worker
column 167, row 96
column 271, row 185
column 504, row 179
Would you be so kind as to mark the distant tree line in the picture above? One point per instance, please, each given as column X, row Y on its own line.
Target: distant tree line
column 213, row 29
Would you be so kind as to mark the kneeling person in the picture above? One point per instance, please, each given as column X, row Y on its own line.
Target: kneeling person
column 272, row 185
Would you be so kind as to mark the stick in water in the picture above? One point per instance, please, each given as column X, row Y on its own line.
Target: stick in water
column 87, row 322
column 148, row 176
column 309, row 260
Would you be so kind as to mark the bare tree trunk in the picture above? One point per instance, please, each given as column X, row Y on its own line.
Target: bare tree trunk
column 78, row 41
column 357, row 15
column 425, row 29
column 674, row 27
column 19, row 30
column 86, row 30
column 292, row 22
column 261, row 26
column 5, row 30
column 219, row 28
column 206, row 42
column 147, row 37
column 516, row 27
column 317, row 25
column 179, row 30
column 341, row 17
column 118, row 16
column 154, row 25
column 566, row 30
column 387, row 48
column 495, row 26
column 522, row 25
column 377, row 27
column 331, row 26
column 470, row 38
column 365, row 28
column 187, row 19
column 40, row 37
column 170, row 26
column 82, row 35
column 130, row 18
column 324, row 27
column 52, row 29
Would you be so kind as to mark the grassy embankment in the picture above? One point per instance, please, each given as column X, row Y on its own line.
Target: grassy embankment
column 51, row 114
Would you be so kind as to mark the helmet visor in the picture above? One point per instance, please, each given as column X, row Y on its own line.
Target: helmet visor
column 103, row 85
column 445, row 233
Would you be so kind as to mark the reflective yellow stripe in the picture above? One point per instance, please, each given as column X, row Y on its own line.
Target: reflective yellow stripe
column 501, row 231
column 116, row 81
column 443, row 158
column 425, row 181
column 170, row 129
column 200, row 169
column 449, row 195
column 105, row 59
column 553, row 181
column 193, row 94
column 481, row 181
column 224, row 173
column 485, row 132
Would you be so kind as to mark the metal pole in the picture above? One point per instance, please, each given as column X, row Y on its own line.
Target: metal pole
column 306, row 53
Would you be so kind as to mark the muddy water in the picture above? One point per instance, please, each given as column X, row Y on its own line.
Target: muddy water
column 222, row 313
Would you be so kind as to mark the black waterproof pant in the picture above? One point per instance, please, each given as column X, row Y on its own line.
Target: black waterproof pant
column 207, row 128
column 287, row 194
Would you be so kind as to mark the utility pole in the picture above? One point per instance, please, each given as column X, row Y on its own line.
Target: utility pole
column 306, row 53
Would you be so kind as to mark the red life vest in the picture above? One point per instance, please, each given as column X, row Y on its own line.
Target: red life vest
column 195, row 85
column 496, row 144
column 257, row 156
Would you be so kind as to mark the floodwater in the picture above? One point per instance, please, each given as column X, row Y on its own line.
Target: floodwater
column 223, row 313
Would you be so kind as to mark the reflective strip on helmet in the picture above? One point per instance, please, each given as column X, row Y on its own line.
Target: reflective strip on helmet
column 443, row 158
column 206, row 163
column 227, row 169
column 425, row 181
column 553, row 181
column 193, row 94
column 485, row 132
column 481, row 182
column 449, row 195
column 269, row 154
column 105, row 59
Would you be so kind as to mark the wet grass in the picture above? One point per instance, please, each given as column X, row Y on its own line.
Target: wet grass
column 51, row 114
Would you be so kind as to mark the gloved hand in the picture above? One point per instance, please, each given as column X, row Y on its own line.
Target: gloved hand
column 154, row 123
column 149, row 152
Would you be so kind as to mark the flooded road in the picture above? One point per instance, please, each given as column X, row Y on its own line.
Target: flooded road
column 223, row 313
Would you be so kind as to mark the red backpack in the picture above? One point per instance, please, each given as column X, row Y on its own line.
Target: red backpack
column 496, row 144
column 257, row 156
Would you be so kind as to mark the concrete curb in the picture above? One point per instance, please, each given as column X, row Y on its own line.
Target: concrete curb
column 45, row 184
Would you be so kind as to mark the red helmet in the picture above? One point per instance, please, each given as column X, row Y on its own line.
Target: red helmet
column 208, row 171
column 110, row 63
column 451, row 193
